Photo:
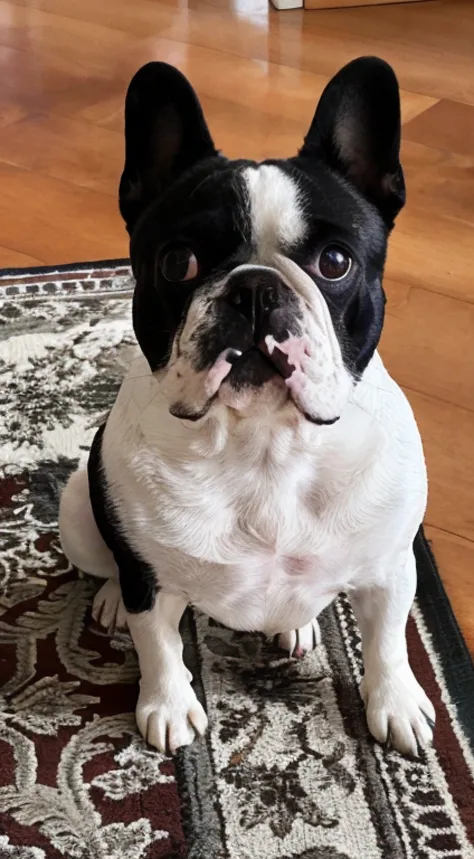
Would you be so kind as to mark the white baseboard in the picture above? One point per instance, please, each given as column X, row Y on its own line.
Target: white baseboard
column 287, row 4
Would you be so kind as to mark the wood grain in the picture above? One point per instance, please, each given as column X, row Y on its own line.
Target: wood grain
column 46, row 217
column 427, row 343
column 15, row 259
column 448, row 433
column 64, row 68
column 447, row 125
column 455, row 558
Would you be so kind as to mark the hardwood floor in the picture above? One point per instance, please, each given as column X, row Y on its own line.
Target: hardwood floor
column 64, row 68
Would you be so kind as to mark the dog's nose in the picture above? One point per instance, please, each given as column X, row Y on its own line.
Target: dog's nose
column 255, row 293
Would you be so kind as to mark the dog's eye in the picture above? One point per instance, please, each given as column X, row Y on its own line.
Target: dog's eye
column 334, row 263
column 179, row 265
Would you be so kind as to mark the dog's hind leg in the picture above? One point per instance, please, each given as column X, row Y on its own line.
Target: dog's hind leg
column 80, row 537
column 84, row 547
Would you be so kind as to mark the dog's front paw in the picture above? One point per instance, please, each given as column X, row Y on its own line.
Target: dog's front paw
column 399, row 712
column 299, row 642
column 169, row 715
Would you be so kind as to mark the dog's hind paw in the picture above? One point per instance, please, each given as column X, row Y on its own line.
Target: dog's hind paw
column 299, row 642
column 108, row 609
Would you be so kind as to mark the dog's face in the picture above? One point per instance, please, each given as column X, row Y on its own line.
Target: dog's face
column 260, row 285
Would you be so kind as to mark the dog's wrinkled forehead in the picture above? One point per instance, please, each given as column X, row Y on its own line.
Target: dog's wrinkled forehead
column 231, row 213
column 236, row 211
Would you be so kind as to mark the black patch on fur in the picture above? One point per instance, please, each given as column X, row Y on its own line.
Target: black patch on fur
column 206, row 212
column 165, row 135
column 177, row 189
column 138, row 581
column 337, row 214
column 356, row 132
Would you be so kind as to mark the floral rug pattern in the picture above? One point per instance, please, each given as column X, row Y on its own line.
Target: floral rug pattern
column 287, row 770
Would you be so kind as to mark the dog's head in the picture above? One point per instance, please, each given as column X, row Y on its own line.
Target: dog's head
column 259, row 285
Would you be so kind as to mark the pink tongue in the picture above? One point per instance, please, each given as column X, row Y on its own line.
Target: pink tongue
column 278, row 359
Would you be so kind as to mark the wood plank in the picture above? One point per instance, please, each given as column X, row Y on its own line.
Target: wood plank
column 414, row 104
column 429, row 44
column 439, row 181
column 414, row 41
column 446, row 125
column 67, row 149
column 14, row 259
column 427, row 343
column 46, row 84
column 447, row 432
column 430, row 250
column 40, row 217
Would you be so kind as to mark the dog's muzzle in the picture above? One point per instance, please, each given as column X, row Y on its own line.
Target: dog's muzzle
column 272, row 313
column 260, row 329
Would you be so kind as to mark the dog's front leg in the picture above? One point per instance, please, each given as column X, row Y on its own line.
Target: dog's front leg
column 168, row 712
column 398, row 710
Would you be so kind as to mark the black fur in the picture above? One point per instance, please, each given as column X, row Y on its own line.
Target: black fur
column 137, row 579
column 177, row 190
column 165, row 134
column 356, row 132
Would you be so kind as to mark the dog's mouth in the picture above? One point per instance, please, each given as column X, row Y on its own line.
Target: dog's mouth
column 268, row 359
column 278, row 359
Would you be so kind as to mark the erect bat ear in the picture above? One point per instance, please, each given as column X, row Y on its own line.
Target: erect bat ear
column 165, row 134
column 356, row 130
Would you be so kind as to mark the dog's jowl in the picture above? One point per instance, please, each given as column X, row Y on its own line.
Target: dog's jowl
column 258, row 459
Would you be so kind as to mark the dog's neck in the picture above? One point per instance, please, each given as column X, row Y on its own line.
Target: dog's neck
column 266, row 436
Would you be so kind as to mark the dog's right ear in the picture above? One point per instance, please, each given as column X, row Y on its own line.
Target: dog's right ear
column 165, row 134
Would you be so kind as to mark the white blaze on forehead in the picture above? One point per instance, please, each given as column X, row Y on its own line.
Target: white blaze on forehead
column 276, row 210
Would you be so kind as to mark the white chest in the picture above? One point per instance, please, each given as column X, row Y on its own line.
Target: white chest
column 261, row 530
column 255, row 549
column 270, row 594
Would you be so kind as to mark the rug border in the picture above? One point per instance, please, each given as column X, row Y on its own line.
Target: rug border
column 63, row 267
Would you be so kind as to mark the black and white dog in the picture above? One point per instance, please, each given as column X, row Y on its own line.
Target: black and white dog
column 258, row 459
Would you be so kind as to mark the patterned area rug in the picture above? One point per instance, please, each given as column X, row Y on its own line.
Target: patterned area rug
column 288, row 770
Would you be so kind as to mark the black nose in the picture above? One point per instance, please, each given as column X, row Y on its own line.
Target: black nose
column 255, row 293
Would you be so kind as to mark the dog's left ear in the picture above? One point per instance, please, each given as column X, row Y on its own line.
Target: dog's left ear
column 165, row 134
column 356, row 130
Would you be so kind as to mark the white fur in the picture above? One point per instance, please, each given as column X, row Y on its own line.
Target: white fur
column 260, row 523
column 80, row 539
column 108, row 608
column 168, row 712
column 225, row 528
column 258, row 517
column 277, row 216
column 300, row 641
